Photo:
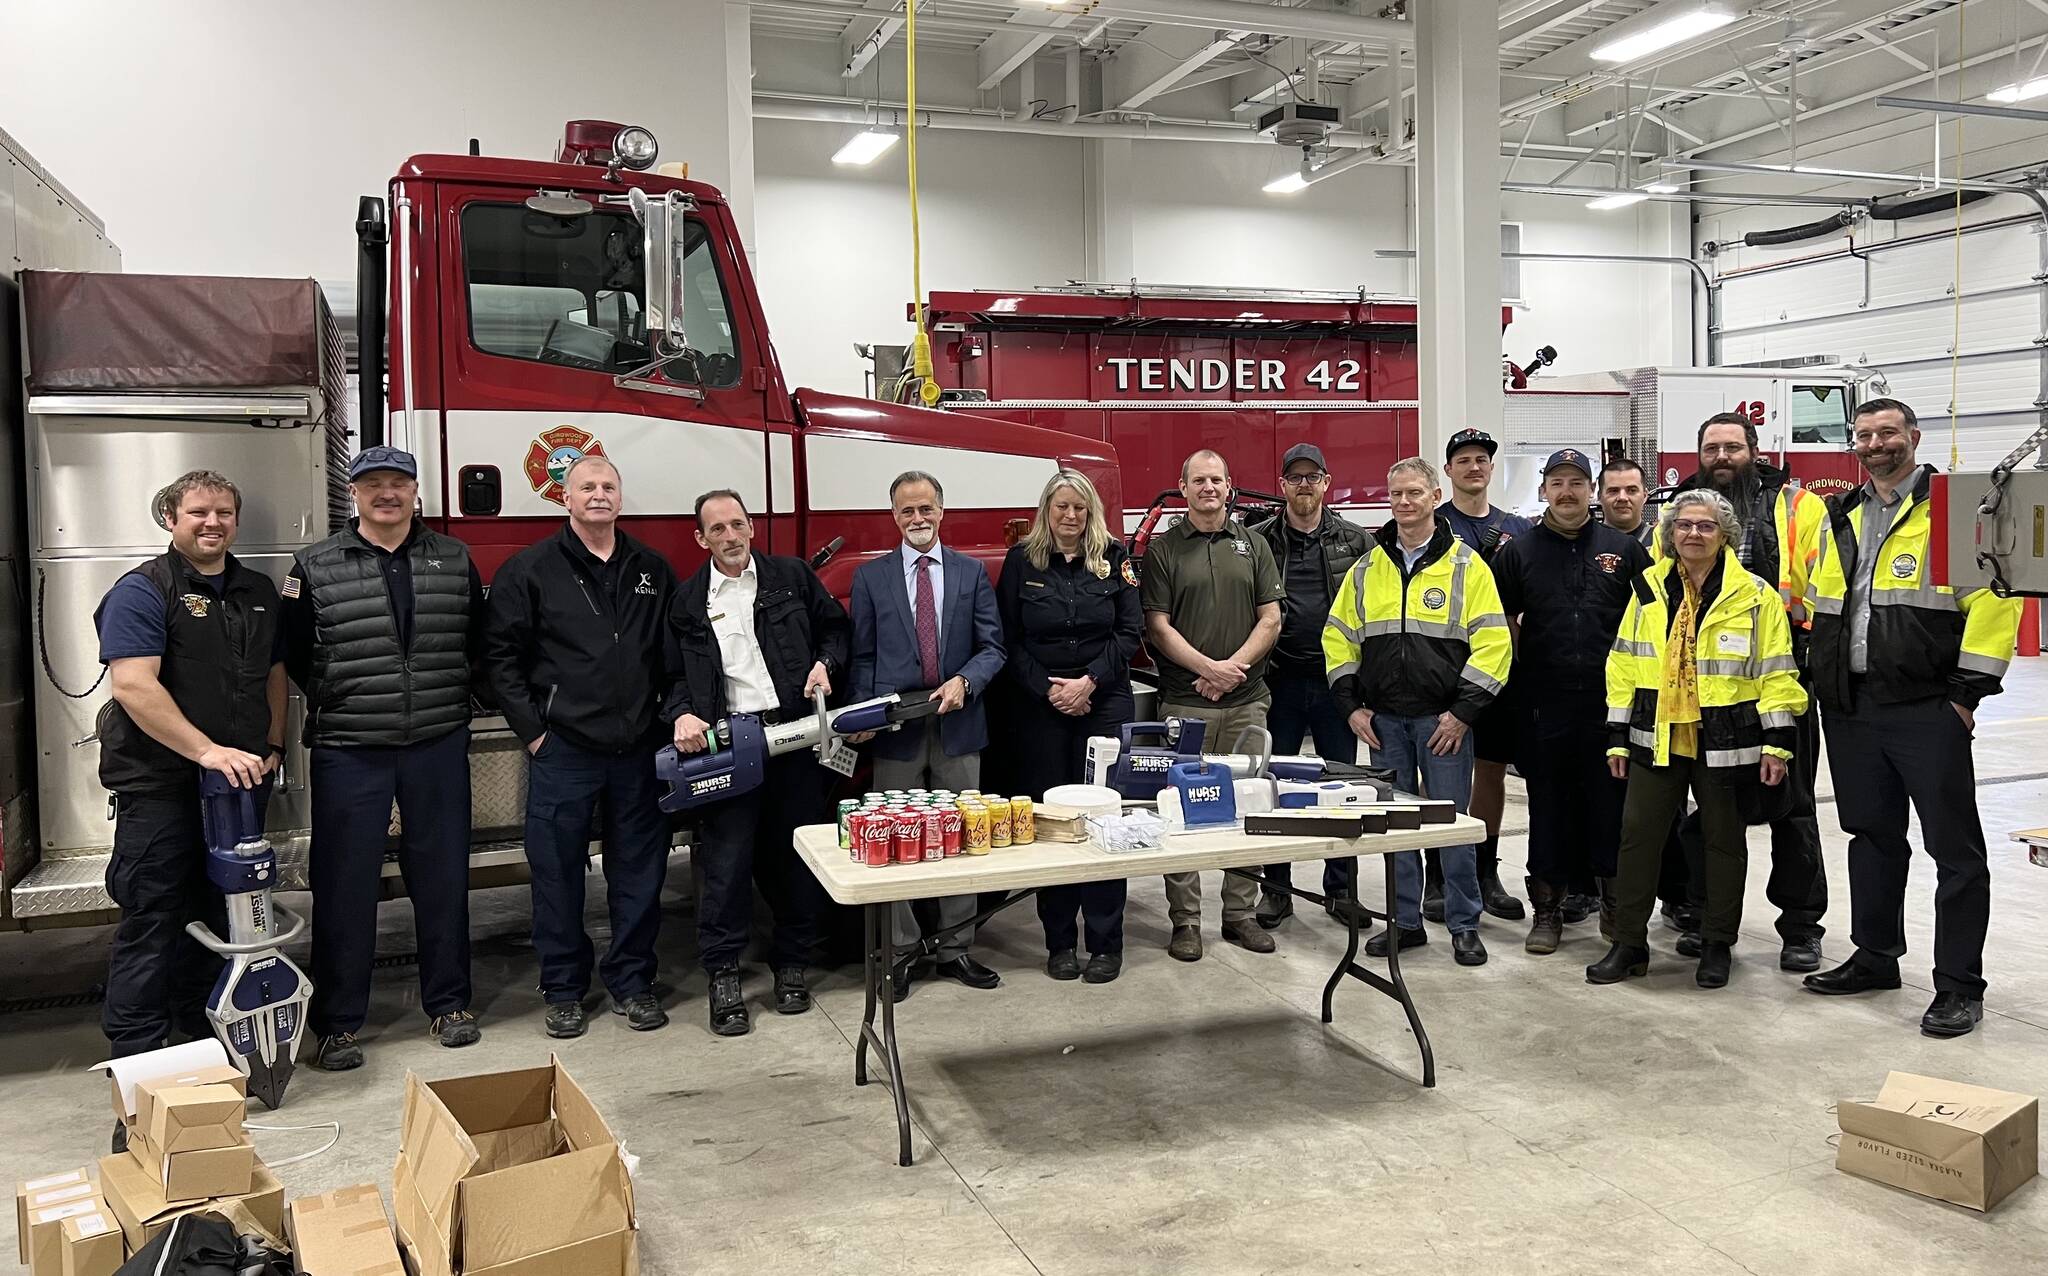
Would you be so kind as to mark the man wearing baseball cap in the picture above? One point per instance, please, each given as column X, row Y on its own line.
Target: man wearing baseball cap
column 1566, row 584
column 1468, row 465
column 383, row 624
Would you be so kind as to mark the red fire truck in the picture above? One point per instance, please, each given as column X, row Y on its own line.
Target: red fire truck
column 523, row 313
column 1160, row 372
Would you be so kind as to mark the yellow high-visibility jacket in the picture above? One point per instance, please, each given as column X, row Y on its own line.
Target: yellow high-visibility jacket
column 1925, row 640
column 1417, row 643
column 1797, row 519
column 1748, row 683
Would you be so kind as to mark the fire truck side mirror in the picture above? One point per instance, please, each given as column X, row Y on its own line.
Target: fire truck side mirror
column 662, row 226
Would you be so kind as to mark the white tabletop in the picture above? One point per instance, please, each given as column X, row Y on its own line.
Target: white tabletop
column 1063, row 863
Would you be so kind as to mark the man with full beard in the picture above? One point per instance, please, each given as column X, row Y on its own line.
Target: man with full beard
column 1781, row 529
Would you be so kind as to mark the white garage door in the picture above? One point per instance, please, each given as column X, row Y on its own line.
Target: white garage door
column 1893, row 306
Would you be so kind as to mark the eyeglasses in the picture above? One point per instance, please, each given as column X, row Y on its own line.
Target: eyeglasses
column 1687, row 527
column 1303, row 480
column 1724, row 449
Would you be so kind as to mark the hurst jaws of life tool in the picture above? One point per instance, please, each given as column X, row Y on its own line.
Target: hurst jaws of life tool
column 735, row 758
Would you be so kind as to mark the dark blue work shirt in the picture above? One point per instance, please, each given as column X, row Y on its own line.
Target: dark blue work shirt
column 1486, row 535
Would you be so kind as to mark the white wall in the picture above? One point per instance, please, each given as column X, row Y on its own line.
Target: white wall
column 225, row 137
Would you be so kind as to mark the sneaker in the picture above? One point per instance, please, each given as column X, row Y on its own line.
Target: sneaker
column 1186, row 944
column 565, row 1019
column 728, row 1006
column 1103, row 968
column 338, row 1053
column 1801, row 956
column 1250, row 935
column 456, row 1030
column 643, row 1013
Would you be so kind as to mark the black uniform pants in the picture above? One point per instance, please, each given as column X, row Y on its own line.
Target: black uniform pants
column 751, row 839
column 353, row 789
column 1303, row 707
column 1052, row 749
column 157, row 975
column 1884, row 756
column 1655, row 794
column 1798, row 884
column 566, row 789
column 1575, row 804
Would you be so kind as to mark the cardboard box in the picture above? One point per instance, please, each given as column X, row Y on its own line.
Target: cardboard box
column 146, row 1091
column 45, row 1235
column 138, row 1200
column 50, row 1189
column 1943, row 1139
column 511, row 1173
column 193, row 1059
column 198, row 1175
column 93, row 1245
column 192, row 1118
column 343, row 1233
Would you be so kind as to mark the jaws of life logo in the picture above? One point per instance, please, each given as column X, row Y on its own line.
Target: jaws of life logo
column 550, row 456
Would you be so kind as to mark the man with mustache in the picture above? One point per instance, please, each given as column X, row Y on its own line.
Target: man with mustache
column 384, row 626
column 575, row 653
column 1900, row 666
column 1781, row 529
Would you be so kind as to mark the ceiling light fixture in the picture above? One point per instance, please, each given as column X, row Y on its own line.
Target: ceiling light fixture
column 1286, row 184
column 1620, row 199
column 865, row 147
column 1662, row 27
column 2037, row 87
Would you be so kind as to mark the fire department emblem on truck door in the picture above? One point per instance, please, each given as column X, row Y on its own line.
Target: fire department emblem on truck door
column 549, row 458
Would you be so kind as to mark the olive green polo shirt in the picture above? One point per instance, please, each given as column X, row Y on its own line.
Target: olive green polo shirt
column 1210, row 585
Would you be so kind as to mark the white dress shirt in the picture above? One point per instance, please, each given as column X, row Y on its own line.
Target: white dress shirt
column 938, row 575
column 749, row 688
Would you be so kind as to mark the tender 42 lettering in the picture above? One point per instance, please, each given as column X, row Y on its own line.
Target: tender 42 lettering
column 1254, row 375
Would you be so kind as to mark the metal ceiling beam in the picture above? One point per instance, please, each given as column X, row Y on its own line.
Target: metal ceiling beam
column 1964, row 108
column 1021, row 38
column 865, row 37
column 1224, row 42
column 1265, row 19
column 1688, row 197
column 1809, row 170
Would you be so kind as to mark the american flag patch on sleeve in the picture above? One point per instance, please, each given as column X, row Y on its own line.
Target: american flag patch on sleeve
column 291, row 587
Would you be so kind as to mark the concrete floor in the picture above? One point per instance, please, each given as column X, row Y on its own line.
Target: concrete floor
column 1198, row 1118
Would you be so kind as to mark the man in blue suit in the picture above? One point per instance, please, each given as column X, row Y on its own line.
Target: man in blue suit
column 925, row 616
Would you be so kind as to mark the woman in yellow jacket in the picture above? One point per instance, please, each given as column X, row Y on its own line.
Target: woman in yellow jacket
column 1702, row 693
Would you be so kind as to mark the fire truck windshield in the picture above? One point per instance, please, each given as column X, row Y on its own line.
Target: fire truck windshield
column 1820, row 414
column 572, row 291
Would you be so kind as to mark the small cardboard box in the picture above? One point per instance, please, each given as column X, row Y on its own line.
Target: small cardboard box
column 343, row 1233
column 192, row 1118
column 147, row 1091
column 138, row 1200
column 197, row 1175
column 511, row 1172
column 50, row 1189
column 45, row 1233
column 93, row 1245
column 1944, row 1139
column 194, row 1060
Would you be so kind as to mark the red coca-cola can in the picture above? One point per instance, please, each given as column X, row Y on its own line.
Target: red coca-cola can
column 875, row 835
column 909, row 830
column 934, row 834
column 951, row 825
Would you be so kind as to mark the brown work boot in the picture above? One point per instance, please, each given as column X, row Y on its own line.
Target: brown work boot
column 1247, row 932
column 1608, row 906
column 1546, row 928
column 1186, row 944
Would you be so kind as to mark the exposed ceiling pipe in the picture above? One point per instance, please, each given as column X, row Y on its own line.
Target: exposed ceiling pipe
column 1689, row 197
column 1810, row 170
column 1266, row 19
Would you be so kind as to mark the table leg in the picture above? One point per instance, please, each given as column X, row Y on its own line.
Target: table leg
column 880, row 933
column 1399, row 987
column 1344, row 963
column 872, row 958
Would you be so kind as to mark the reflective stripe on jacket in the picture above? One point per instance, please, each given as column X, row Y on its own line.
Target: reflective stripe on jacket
column 1925, row 640
column 1749, row 688
column 1420, row 642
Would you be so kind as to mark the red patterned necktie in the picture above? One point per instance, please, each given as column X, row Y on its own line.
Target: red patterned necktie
column 927, row 624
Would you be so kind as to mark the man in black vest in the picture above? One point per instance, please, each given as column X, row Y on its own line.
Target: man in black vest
column 753, row 633
column 574, row 651
column 195, row 661
column 383, row 623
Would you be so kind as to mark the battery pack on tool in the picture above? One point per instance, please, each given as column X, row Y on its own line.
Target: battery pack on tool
column 1208, row 795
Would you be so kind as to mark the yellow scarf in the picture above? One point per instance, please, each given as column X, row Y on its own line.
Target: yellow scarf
column 1678, row 700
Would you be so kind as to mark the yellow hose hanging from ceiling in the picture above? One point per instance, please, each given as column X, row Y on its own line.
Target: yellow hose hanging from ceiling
column 921, row 344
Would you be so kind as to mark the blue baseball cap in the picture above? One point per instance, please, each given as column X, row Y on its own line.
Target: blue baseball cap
column 1569, row 456
column 383, row 458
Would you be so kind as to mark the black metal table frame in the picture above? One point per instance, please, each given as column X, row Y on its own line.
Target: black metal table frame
column 879, row 947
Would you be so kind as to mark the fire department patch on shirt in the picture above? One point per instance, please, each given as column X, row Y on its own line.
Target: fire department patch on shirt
column 1130, row 574
column 290, row 588
column 197, row 604
column 1609, row 563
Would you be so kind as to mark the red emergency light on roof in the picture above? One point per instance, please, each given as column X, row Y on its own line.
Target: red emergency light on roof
column 607, row 143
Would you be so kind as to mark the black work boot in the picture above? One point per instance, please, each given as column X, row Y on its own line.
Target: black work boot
column 1432, row 891
column 728, row 1004
column 1546, row 931
column 1494, row 897
column 1623, row 961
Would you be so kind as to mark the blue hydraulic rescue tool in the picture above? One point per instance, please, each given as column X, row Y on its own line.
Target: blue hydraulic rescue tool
column 735, row 758
column 258, row 1005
